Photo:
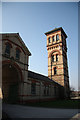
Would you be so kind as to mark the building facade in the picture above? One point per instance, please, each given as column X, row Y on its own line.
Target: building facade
column 15, row 57
column 21, row 85
column 41, row 88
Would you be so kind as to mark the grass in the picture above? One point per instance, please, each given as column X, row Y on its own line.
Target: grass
column 71, row 104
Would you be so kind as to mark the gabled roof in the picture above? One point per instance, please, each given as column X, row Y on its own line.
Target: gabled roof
column 25, row 47
column 55, row 30
column 20, row 40
column 40, row 77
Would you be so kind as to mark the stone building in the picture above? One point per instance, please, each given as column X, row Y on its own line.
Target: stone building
column 41, row 88
column 57, row 57
column 21, row 85
column 15, row 57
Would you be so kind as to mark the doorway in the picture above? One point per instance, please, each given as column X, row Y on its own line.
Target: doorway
column 10, row 83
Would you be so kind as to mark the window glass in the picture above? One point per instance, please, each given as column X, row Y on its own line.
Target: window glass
column 56, row 57
column 62, row 38
column 7, row 50
column 57, row 37
column 53, row 38
column 17, row 54
column 33, row 88
column 49, row 40
column 53, row 58
column 44, row 90
column 47, row 90
column 55, row 71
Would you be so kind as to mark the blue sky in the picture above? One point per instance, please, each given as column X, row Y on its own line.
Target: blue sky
column 33, row 19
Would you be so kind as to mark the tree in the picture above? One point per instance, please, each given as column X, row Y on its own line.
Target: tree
column 72, row 88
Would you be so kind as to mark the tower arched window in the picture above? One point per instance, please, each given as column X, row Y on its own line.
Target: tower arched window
column 17, row 54
column 7, row 49
column 52, row 58
column 49, row 39
column 55, row 71
column 53, row 39
column 57, row 37
column 62, row 38
column 56, row 57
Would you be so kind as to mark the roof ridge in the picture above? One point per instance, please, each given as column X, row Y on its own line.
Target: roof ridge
column 37, row 73
column 43, row 76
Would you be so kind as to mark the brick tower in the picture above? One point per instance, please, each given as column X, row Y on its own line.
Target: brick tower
column 57, row 57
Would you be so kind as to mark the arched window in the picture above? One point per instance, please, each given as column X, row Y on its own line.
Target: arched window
column 57, row 37
column 33, row 88
column 53, row 39
column 7, row 50
column 45, row 90
column 55, row 71
column 62, row 38
column 17, row 54
column 56, row 57
column 53, row 58
column 49, row 39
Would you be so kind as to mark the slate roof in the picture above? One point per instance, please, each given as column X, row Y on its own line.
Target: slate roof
column 40, row 77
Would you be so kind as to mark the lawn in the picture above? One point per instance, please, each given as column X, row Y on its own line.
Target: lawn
column 57, row 104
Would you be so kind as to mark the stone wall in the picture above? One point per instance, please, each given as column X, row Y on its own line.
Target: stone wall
column 21, row 65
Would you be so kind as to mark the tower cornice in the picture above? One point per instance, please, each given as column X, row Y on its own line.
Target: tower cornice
column 55, row 30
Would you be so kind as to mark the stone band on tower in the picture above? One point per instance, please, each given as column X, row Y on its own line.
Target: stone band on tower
column 57, row 57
